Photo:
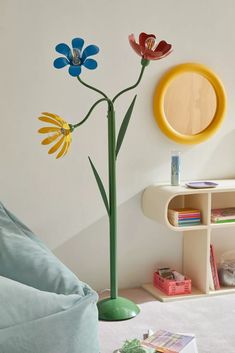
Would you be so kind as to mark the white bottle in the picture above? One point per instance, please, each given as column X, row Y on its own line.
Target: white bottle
column 175, row 168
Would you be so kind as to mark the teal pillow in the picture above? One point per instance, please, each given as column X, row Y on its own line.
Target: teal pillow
column 24, row 258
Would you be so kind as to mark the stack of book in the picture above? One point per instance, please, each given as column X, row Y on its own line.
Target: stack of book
column 223, row 215
column 180, row 217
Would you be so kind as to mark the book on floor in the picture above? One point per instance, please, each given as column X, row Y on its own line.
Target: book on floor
column 164, row 341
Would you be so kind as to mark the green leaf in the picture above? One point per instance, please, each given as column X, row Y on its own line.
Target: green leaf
column 124, row 126
column 100, row 185
column 132, row 346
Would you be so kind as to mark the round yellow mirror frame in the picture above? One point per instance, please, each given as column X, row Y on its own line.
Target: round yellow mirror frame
column 162, row 90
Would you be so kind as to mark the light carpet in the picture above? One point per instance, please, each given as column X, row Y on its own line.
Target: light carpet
column 211, row 319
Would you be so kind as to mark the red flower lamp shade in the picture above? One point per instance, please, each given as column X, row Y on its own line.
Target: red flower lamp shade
column 147, row 47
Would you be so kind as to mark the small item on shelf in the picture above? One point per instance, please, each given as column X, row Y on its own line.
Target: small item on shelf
column 201, row 184
column 178, row 276
column 223, row 215
column 181, row 217
column 178, row 284
column 175, row 168
column 166, row 273
column 226, row 270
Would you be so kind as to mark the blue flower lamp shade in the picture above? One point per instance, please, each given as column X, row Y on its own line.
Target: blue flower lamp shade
column 77, row 57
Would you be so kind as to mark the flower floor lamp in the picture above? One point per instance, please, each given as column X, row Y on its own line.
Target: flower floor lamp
column 114, row 308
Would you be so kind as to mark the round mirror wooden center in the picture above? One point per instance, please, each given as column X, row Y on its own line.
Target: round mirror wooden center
column 190, row 103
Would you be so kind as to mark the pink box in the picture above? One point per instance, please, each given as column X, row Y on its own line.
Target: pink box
column 170, row 286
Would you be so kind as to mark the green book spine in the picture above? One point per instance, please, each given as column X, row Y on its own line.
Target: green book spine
column 225, row 221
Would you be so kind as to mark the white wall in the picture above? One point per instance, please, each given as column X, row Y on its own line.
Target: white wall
column 59, row 199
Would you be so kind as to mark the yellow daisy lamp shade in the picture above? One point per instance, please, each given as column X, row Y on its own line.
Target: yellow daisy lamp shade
column 59, row 133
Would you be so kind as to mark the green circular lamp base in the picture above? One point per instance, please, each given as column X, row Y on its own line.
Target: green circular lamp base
column 117, row 309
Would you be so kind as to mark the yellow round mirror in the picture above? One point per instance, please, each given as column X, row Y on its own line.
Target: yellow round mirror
column 189, row 103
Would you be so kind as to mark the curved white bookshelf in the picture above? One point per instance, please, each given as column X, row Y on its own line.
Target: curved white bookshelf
column 156, row 201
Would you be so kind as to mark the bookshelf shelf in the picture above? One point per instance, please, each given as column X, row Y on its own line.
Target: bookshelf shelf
column 222, row 225
column 166, row 298
column 186, row 229
column 223, row 290
column 156, row 201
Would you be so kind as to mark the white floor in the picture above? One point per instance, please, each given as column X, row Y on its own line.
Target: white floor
column 212, row 320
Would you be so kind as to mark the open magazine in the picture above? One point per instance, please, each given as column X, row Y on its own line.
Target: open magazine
column 162, row 341
column 168, row 342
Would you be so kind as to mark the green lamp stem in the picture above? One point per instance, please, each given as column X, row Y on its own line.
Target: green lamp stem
column 112, row 200
column 89, row 112
column 131, row 87
column 91, row 87
column 114, row 308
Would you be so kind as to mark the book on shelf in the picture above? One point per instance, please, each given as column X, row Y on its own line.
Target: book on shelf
column 213, row 268
column 211, row 281
column 180, row 217
column 223, row 215
column 164, row 341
